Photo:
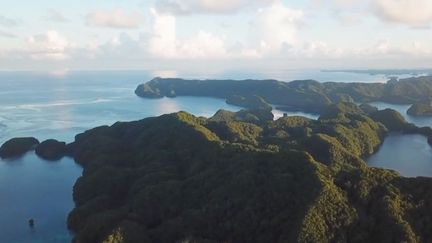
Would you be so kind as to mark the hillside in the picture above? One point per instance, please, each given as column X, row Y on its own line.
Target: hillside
column 306, row 95
column 420, row 109
column 180, row 178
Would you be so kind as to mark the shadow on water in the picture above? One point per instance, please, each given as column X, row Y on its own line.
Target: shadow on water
column 32, row 188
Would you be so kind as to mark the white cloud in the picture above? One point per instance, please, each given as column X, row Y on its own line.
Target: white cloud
column 165, row 44
column 183, row 7
column 114, row 19
column 163, row 40
column 319, row 49
column 416, row 13
column 50, row 45
column 340, row 3
column 203, row 45
column 275, row 27
column 347, row 12
column 119, row 47
column 272, row 30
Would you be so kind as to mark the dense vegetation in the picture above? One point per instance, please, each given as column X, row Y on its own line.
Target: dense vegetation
column 242, row 177
column 420, row 109
column 17, row 146
column 307, row 95
column 51, row 149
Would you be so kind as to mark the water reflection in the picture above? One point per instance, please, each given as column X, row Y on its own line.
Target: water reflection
column 402, row 109
column 408, row 154
column 32, row 188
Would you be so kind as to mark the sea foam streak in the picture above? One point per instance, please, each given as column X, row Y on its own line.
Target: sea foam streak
column 37, row 107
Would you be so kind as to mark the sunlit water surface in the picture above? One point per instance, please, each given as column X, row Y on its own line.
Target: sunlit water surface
column 47, row 106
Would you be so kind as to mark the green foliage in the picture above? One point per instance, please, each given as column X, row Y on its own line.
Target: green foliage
column 223, row 116
column 148, row 91
column 420, row 109
column 255, row 116
column 251, row 102
column 368, row 109
column 292, row 121
column 338, row 112
column 359, row 137
column 236, row 132
column 127, row 232
column 180, row 178
column 330, row 217
column 306, row 95
column 391, row 119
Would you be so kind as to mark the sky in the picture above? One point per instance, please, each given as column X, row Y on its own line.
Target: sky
column 194, row 34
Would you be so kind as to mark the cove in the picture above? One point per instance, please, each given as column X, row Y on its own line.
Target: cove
column 408, row 154
column 38, row 189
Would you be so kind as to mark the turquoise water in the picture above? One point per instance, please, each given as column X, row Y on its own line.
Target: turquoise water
column 60, row 106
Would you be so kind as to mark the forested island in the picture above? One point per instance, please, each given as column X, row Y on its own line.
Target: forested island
column 243, row 176
column 304, row 95
column 420, row 109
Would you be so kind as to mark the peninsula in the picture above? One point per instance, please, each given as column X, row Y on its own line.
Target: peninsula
column 304, row 95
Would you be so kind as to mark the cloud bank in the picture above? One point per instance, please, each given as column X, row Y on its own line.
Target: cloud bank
column 415, row 13
column 235, row 32
column 186, row 7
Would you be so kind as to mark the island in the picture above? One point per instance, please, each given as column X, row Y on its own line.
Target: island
column 244, row 177
column 300, row 95
column 420, row 109
column 51, row 149
column 16, row 147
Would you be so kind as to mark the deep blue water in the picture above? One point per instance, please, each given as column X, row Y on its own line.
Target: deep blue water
column 62, row 105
